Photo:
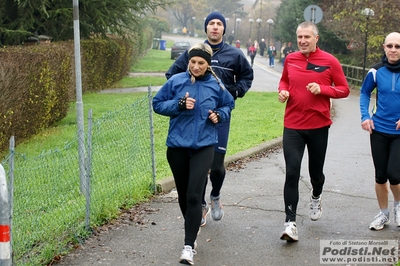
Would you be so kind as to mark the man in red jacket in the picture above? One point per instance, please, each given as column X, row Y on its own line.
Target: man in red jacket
column 310, row 78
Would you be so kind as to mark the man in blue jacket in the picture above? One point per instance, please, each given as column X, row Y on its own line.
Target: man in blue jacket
column 383, row 124
column 233, row 68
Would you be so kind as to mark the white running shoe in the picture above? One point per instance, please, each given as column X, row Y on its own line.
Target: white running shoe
column 379, row 222
column 187, row 255
column 290, row 233
column 315, row 208
column 397, row 215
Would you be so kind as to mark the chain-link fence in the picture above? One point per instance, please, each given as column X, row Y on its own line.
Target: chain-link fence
column 50, row 207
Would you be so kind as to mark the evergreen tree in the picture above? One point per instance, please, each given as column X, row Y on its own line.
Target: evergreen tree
column 20, row 19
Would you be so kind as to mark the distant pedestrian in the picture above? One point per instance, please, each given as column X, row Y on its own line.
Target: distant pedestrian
column 238, row 43
column 195, row 101
column 256, row 45
column 262, row 47
column 252, row 52
column 383, row 124
column 283, row 54
column 248, row 44
column 230, row 38
column 271, row 55
column 289, row 49
column 310, row 78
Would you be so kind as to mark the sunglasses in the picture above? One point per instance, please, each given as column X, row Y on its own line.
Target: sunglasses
column 390, row 46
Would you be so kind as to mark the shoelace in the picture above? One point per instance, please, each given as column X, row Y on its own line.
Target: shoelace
column 193, row 251
column 216, row 203
column 315, row 204
column 382, row 217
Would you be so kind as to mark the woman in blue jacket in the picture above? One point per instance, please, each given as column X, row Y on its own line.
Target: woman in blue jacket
column 195, row 101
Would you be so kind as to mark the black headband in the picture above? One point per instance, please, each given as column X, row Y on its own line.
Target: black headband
column 202, row 54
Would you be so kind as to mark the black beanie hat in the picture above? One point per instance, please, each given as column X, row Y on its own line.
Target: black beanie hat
column 214, row 15
column 203, row 54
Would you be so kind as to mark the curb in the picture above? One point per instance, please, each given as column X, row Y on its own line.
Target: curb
column 167, row 184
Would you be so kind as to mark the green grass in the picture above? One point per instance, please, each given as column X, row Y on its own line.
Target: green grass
column 133, row 82
column 248, row 128
column 154, row 61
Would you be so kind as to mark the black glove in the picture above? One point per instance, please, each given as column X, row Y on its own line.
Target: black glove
column 218, row 115
column 182, row 103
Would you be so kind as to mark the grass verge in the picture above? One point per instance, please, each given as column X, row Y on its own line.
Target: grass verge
column 248, row 128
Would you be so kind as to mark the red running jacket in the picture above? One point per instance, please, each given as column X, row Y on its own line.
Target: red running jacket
column 305, row 110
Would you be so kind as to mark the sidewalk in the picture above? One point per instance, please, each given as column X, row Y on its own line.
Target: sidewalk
column 152, row 233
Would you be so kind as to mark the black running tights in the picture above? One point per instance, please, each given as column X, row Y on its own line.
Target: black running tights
column 294, row 142
column 217, row 176
column 190, row 168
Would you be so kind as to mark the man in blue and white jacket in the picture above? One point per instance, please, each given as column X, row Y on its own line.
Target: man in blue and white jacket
column 383, row 124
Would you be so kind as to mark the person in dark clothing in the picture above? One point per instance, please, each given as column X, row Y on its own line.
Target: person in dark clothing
column 230, row 39
column 262, row 45
column 289, row 49
column 235, row 72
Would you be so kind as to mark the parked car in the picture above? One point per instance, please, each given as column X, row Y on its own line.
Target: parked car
column 178, row 48
column 178, row 31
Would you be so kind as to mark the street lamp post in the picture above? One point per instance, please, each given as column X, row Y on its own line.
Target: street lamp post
column 227, row 20
column 251, row 23
column 259, row 21
column 234, row 27
column 237, row 29
column 367, row 12
column 270, row 22
column 193, row 28
column 206, row 29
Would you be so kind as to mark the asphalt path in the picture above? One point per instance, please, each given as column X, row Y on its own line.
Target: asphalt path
column 254, row 210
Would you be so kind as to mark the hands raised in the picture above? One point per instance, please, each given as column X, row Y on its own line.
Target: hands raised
column 189, row 101
column 186, row 103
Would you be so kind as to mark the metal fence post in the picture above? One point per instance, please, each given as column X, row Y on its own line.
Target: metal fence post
column 88, row 168
column 153, row 156
column 5, row 243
